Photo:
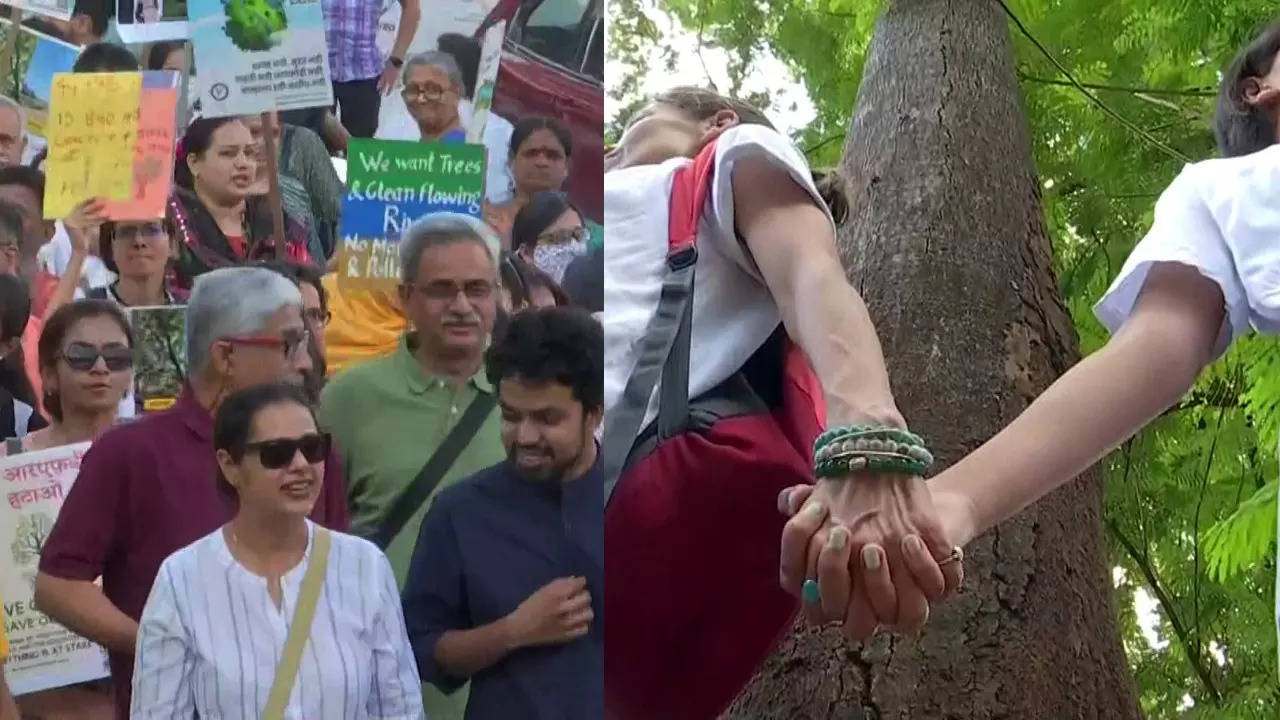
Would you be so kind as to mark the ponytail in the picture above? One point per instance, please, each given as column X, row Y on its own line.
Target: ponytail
column 834, row 192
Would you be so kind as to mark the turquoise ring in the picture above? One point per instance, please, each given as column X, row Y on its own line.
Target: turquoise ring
column 810, row 592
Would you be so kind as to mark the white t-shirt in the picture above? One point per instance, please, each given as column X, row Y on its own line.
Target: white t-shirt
column 1222, row 217
column 399, row 125
column 733, row 311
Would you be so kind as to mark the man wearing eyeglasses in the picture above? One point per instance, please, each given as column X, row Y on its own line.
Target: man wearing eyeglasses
column 417, row 421
column 432, row 87
column 146, row 488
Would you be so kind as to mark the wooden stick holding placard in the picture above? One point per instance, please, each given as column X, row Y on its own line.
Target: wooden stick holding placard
column 273, row 185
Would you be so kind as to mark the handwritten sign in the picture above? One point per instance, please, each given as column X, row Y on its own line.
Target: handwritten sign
column 111, row 135
column 42, row 653
column 389, row 185
column 259, row 55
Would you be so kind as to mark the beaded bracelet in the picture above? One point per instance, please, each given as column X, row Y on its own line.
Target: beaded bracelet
column 885, row 450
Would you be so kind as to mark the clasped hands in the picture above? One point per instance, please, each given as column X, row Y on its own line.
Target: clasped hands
column 879, row 548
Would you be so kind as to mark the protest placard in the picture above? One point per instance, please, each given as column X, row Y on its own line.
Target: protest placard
column 159, row 355
column 148, row 21
column 389, row 185
column 48, row 58
column 486, row 80
column 57, row 9
column 111, row 135
column 42, row 653
column 259, row 55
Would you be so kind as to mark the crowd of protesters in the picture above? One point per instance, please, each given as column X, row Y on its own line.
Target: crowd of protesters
column 413, row 476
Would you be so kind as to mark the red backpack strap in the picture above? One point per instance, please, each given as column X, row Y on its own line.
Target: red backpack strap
column 688, row 198
column 664, row 349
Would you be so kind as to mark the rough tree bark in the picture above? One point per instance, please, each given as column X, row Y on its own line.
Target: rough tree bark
column 947, row 244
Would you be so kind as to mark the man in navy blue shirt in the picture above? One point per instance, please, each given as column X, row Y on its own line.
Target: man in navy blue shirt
column 506, row 583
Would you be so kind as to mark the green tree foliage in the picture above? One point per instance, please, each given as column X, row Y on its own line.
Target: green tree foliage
column 1119, row 96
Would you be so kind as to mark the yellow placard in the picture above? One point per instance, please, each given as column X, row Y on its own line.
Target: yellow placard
column 93, row 133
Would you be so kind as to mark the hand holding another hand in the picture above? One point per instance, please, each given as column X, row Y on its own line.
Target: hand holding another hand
column 878, row 547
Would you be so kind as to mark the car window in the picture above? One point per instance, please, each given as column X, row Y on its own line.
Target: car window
column 593, row 63
column 559, row 30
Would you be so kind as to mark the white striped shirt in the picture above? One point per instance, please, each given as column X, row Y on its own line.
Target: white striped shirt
column 210, row 638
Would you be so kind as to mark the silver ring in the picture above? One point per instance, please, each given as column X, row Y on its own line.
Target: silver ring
column 956, row 556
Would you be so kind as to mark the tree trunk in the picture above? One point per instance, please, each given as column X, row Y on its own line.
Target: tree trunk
column 946, row 242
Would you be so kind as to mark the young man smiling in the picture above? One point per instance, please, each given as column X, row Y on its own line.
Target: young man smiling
column 505, row 587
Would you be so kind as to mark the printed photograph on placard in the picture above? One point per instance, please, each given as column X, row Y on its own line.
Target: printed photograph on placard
column 159, row 355
column 147, row 21
column 49, row 58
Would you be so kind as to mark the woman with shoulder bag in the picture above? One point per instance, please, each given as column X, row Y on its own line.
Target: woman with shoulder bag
column 271, row 616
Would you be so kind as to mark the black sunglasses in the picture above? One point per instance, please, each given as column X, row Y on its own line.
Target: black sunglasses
column 83, row 356
column 276, row 454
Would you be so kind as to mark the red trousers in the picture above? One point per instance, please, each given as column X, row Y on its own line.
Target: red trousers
column 692, row 601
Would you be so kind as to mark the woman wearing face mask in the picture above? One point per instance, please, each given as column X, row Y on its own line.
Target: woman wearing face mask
column 86, row 367
column 219, row 221
column 309, row 620
column 549, row 232
column 539, row 160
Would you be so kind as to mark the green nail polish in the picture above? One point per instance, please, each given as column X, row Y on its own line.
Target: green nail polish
column 836, row 539
column 871, row 558
column 811, row 594
column 814, row 509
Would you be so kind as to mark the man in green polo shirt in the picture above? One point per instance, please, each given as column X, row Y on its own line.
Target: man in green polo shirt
column 393, row 416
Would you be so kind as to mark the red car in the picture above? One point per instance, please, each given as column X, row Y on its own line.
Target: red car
column 553, row 65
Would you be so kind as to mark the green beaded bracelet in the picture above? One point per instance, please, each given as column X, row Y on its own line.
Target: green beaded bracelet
column 846, row 449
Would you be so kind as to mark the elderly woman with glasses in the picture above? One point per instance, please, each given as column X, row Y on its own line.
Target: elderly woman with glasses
column 432, row 86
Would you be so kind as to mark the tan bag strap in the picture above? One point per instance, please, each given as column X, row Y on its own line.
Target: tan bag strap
column 299, row 629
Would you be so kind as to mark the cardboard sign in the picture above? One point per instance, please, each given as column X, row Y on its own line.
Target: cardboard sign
column 42, row 654
column 389, row 185
column 159, row 356
column 259, row 55
column 111, row 135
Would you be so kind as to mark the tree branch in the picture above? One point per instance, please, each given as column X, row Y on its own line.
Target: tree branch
column 1187, row 92
column 1148, row 137
column 1166, row 604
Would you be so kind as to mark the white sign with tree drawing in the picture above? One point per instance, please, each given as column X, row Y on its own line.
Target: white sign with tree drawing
column 42, row 654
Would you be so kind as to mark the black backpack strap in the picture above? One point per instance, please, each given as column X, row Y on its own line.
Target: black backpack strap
column 411, row 500
column 664, row 349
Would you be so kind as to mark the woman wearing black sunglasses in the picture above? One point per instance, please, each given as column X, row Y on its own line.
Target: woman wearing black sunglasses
column 86, row 367
column 271, row 604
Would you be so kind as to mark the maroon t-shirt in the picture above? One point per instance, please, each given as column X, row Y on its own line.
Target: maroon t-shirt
column 146, row 489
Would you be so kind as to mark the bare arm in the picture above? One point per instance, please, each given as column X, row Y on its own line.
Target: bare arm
column 463, row 653
column 82, row 608
column 790, row 238
column 410, row 12
column 1146, row 367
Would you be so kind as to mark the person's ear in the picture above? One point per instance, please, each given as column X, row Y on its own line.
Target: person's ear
column 230, row 472
column 592, row 419
column 1260, row 93
column 221, row 358
column 50, row 229
column 714, row 126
